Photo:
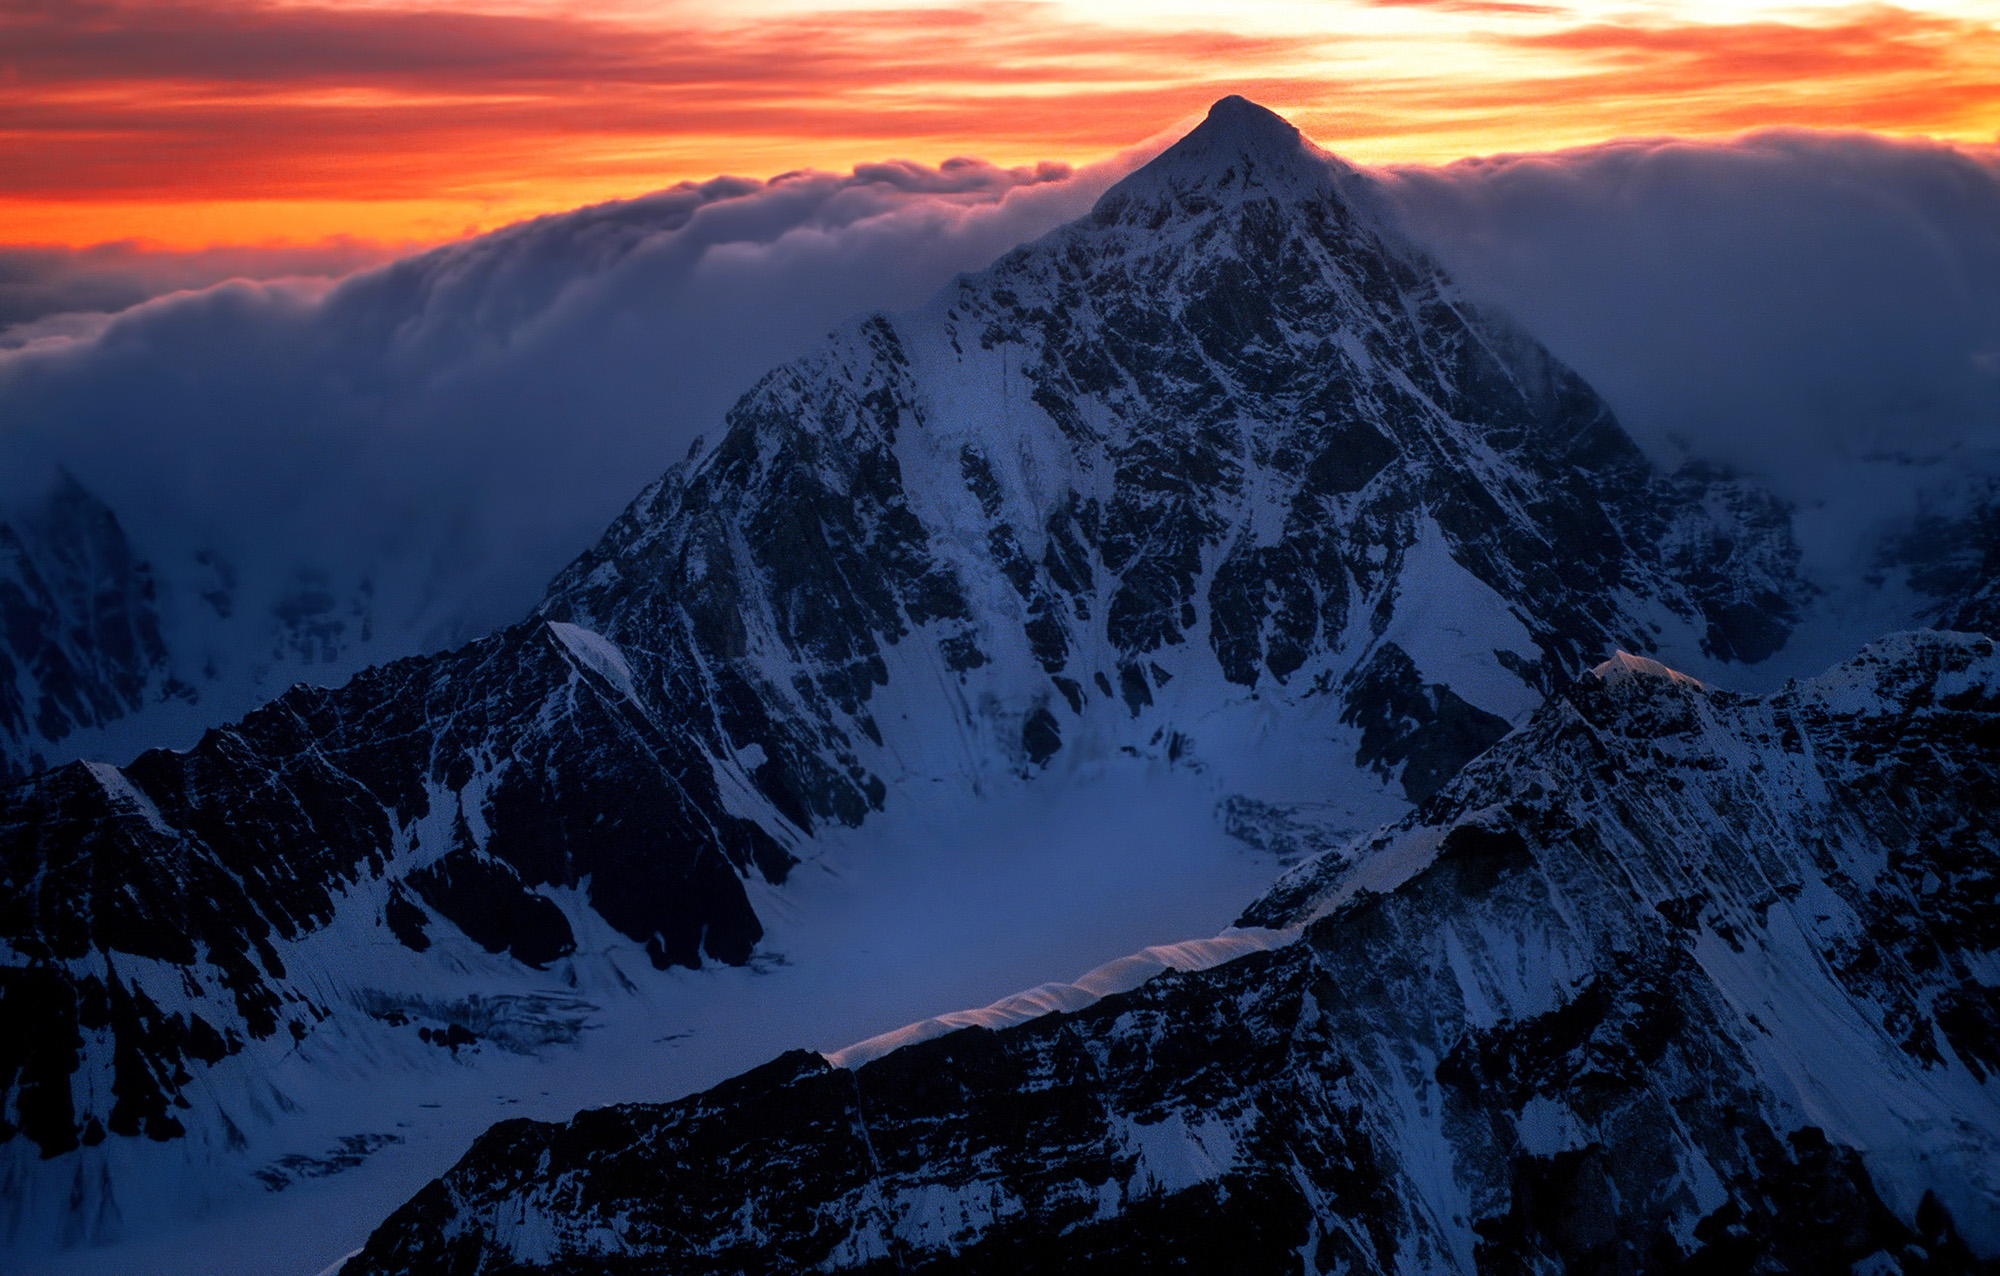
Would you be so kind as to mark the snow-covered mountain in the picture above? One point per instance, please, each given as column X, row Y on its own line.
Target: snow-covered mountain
column 104, row 652
column 83, row 643
column 1219, row 510
column 1671, row 979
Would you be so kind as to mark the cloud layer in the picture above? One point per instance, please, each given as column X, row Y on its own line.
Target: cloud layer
column 1786, row 303
column 53, row 291
column 450, row 428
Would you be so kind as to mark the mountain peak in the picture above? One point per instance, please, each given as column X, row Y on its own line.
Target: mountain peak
column 1625, row 667
column 1244, row 122
column 1241, row 148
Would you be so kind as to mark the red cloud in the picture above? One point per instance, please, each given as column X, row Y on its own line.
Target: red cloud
column 114, row 101
column 240, row 100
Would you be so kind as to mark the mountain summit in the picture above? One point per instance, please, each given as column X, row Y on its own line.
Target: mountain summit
column 1238, row 129
column 1241, row 150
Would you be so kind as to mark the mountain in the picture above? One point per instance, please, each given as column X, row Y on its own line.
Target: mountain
column 1219, row 509
column 1671, row 979
column 83, row 643
column 1973, row 600
column 316, row 478
column 106, row 648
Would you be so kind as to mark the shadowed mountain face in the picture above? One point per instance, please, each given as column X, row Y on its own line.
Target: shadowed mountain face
column 1223, row 475
column 80, row 640
column 1669, row 980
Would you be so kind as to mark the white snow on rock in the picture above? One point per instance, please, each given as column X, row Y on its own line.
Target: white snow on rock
column 597, row 653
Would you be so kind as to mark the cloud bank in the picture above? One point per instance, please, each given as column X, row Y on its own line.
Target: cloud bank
column 1821, row 310
column 442, row 433
column 1787, row 297
column 56, row 291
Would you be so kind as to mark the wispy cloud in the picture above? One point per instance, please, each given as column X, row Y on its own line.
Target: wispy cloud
column 1882, row 68
column 1489, row 8
column 248, row 101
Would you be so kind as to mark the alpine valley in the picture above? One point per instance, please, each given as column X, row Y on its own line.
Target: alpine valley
column 1215, row 536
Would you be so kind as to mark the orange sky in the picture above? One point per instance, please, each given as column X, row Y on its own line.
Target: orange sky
column 191, row 122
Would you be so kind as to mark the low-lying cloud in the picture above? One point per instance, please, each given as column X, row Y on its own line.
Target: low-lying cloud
column 1786, row 303
column 56, row 291
column 453, row 426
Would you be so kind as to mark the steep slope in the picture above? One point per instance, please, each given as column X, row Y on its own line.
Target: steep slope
column 1975, row 604
column 1221, row 481
column 80, row 631
column 1671, row 979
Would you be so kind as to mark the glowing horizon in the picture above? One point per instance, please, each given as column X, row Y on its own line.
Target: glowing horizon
column 187, row 123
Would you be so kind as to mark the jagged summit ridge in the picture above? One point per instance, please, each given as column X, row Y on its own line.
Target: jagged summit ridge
column 1693, row 1024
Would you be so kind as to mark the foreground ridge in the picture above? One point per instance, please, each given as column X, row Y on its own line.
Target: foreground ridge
column 1670, row 979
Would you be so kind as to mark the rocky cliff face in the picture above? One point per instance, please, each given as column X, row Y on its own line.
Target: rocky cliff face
column 1224, row 475
column 1671, row 979
column 1974, row 604
column 105, row 651
column 80, row 632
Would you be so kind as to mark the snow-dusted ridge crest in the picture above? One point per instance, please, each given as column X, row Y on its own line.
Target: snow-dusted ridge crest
column 1242, row 150
column 1682, row 979
column 1372, row 864
column 1219, row 486
column 1624, row 665
column 1122, row 975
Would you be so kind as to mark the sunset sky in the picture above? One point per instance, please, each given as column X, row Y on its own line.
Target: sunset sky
column 195, row 122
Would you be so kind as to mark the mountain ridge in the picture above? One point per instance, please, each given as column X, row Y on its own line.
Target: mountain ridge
column 1564, row 1034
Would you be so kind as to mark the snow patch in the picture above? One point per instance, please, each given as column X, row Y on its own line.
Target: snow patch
column 597, row 653
column 123, row 793
column 1452, row 625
